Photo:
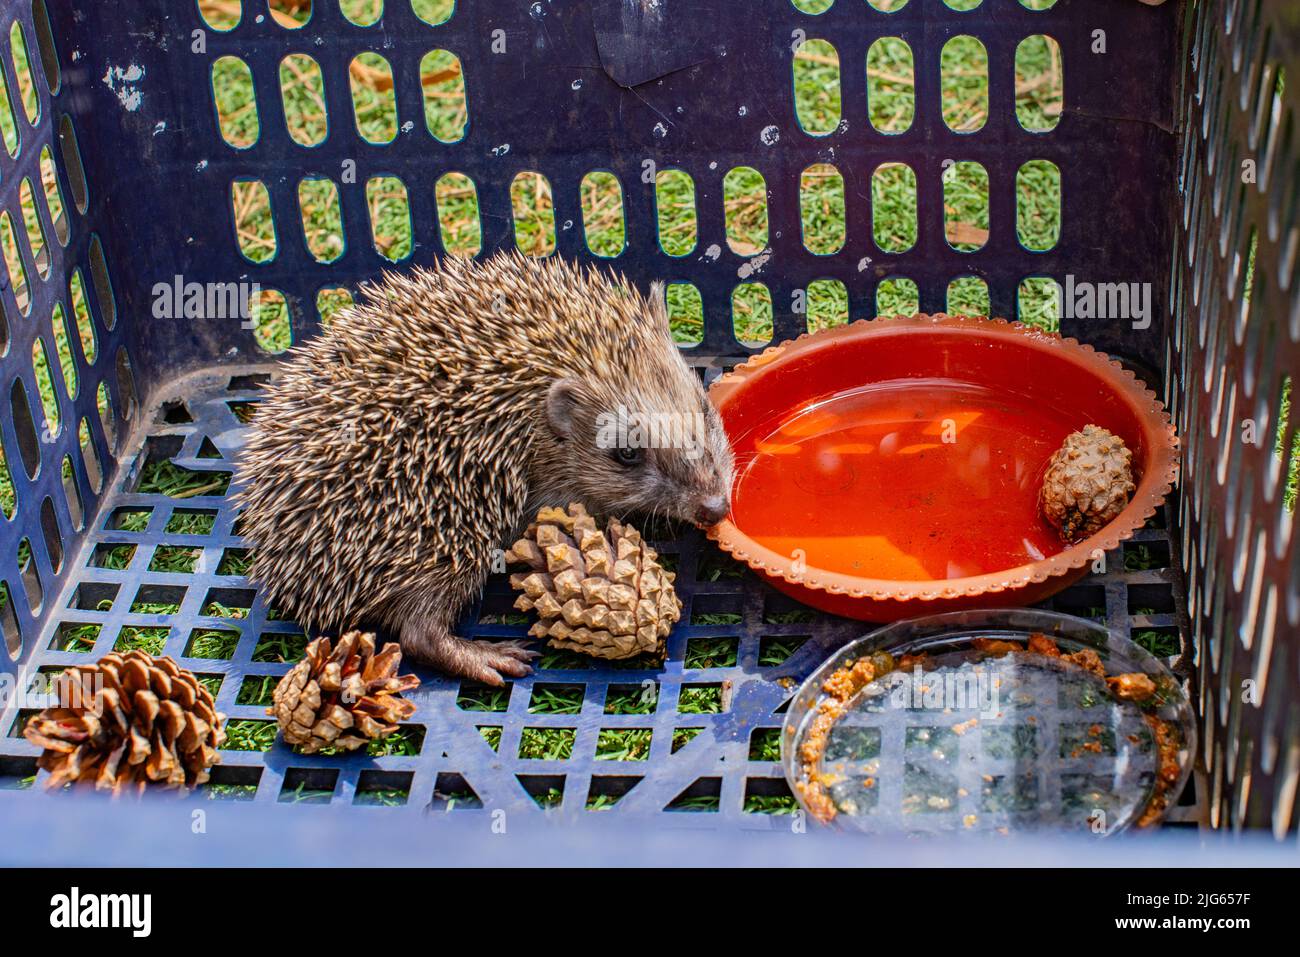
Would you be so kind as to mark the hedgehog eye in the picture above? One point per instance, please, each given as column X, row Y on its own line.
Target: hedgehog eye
column 628, row 456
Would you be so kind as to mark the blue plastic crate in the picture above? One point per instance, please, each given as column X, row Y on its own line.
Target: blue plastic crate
column 124, row 96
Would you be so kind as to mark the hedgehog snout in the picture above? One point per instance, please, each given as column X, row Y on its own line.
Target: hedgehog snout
column 709, row 511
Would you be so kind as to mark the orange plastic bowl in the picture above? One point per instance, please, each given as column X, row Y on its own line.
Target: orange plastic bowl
column 892, row 468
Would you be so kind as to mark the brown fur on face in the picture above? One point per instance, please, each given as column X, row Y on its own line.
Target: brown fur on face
column 404, row 446
column 646, row 442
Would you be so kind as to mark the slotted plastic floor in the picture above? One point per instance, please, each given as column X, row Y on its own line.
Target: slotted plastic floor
column 701, row 748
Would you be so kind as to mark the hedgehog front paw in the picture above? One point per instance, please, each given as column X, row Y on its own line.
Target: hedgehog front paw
column 491, row 662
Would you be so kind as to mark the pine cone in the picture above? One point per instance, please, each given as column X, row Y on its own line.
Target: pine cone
column 342, row 698
column 130, row 720
column 604, row 594
column 1088, row 482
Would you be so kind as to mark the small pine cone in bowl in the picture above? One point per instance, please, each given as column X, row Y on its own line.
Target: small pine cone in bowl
column 127, row 722
column 600, row 593
column 1088, row 482
column 343, row 696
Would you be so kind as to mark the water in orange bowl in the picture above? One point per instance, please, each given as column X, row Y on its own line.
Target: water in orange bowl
column 904, row 480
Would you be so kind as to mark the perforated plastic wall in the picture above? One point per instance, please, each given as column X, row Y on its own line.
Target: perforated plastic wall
column 1235, row 352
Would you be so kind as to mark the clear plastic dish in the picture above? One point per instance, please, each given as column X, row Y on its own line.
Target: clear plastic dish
column 972, row 739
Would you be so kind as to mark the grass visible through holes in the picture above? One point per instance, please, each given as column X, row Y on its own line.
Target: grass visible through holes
column 547, row 744
column 383, row 797
column 215, row 609
column 483, row 698
column 700, row 699
column 701, row 802
column 632, row 700
column 177, row 559
column 247, row 734
column 153, row 608
column 771, row 804
column 217, row 645
column 552, row 699
column 235, row 561
column 133, row 521
column 549, row 798
column 176, row 481
column 283, row 648
column 148, row 640
column 775, row 651
column 257, row 690
column 305, row 795
column 556, row 659
column 1140, row 558
column 79, row 639
column 710, row 652
column 715, row 566
column 623, row 744
column 1159, row 643
column 1291, row 460
column 230, row 792
column 765, row 744
column 115, row 557
column 551, row 743
column 454, row 798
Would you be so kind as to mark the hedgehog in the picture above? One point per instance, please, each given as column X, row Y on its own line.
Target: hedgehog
column 399, row 451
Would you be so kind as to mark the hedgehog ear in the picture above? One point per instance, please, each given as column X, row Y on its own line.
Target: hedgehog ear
column 563, row 400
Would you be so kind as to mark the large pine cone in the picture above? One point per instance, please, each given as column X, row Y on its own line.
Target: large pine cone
column 1088, row 482
column 603, row 594
column 130, row 720
column 342, row 697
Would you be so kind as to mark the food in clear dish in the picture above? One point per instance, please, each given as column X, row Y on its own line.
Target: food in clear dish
column 843, row 684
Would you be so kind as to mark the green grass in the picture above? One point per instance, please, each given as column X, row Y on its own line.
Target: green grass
column 700, row 699
column 247, row 734
column 135, row 638
column 765, row 744
column 547, row 744
column 775, row 651
column 623, row 744
column 483, row 698
column 555, row 699
column 257, row 690
column 175, row 481
column 711, row 652
column 1279, row 448
column 771, row 804
column 214, row 644
column 279, row 648
column 1159, row 643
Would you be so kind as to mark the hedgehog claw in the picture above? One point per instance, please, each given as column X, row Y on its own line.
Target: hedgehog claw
column 515, row 649
column 492, row 662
